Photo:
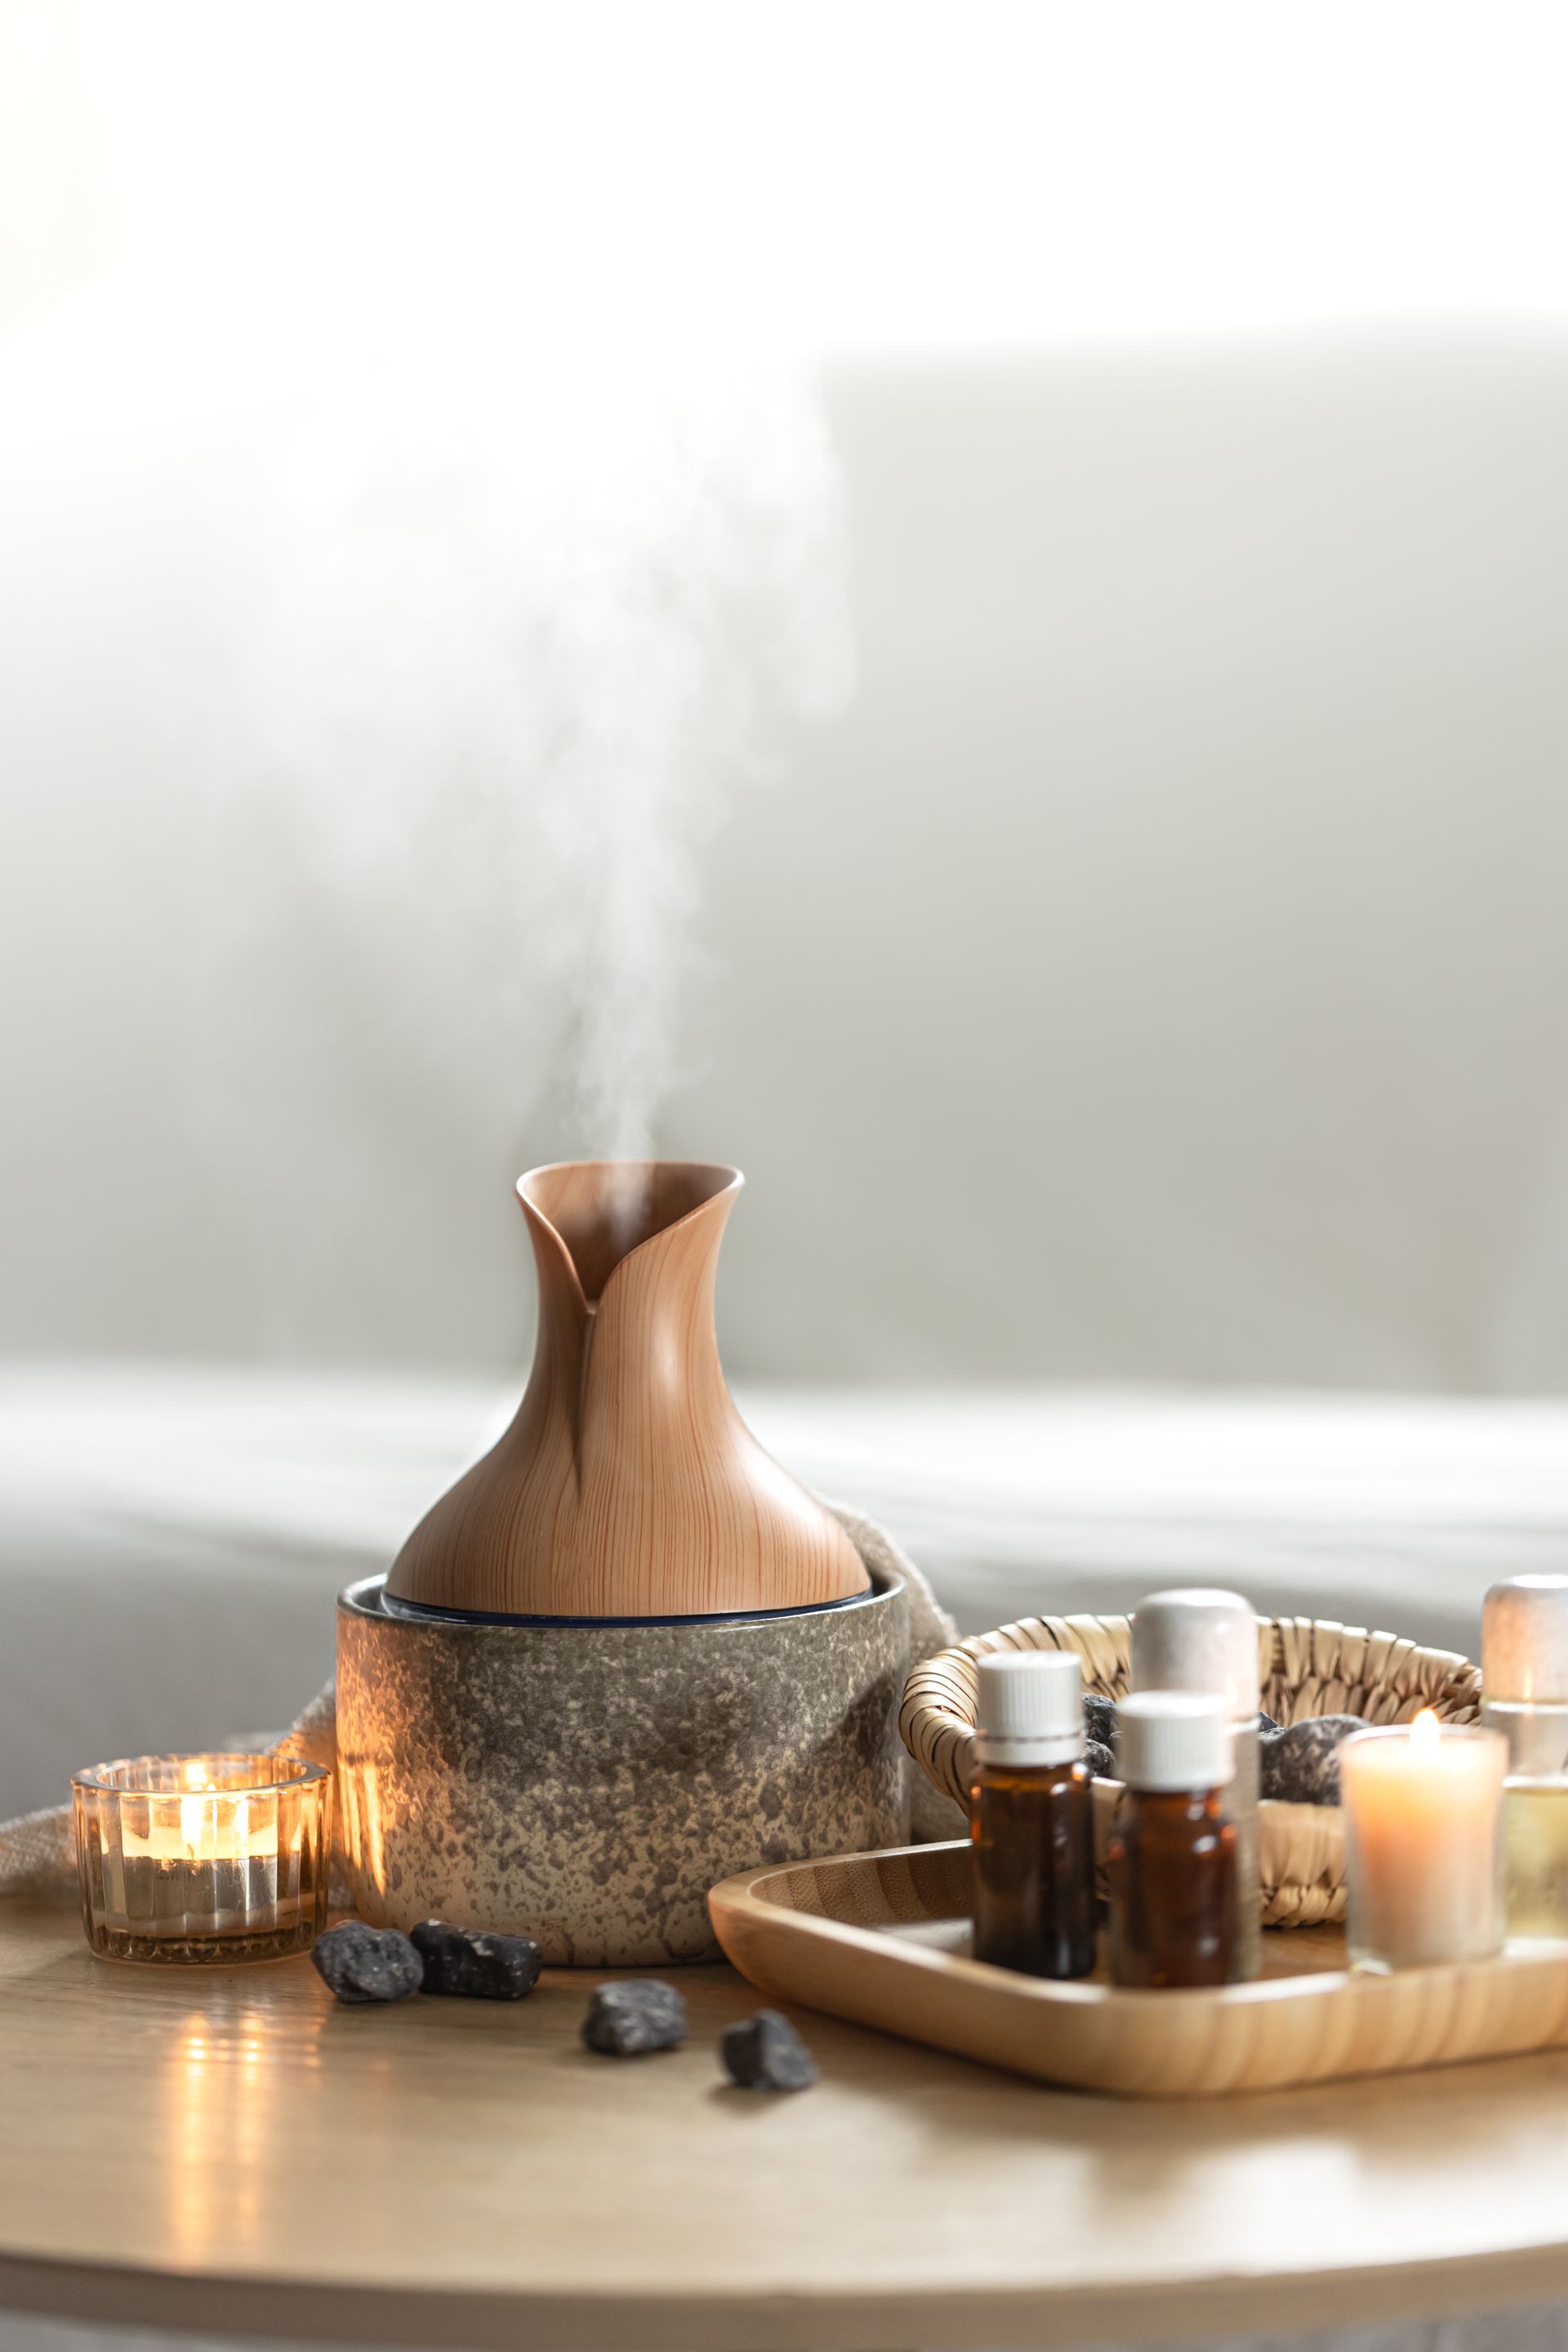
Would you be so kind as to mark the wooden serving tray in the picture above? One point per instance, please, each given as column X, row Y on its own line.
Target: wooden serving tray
column 883, row 1939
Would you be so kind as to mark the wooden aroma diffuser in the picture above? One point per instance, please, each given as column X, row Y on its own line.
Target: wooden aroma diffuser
column 627, row 1486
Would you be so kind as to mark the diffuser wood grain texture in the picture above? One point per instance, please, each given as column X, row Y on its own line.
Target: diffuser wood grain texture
column 880, row 1939
column 627, row 1486
column 228, row 2152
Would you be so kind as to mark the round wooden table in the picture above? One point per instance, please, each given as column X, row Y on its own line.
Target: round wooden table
column 232, row 2152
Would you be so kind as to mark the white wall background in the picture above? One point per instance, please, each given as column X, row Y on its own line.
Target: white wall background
column 1184, row 983
column 1151, row 965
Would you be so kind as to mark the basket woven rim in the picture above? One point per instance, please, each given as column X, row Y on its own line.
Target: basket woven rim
column 1307, row 1666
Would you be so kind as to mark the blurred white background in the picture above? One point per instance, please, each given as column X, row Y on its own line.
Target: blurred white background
column 958, row 606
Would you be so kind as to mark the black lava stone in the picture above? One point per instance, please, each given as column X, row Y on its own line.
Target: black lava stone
column 765, row 2053
column 638, row 2015
column 1100, row 1718
column 1101, row 1761
column 475, row 1965
column 1300, row 1765
column 363, row 1963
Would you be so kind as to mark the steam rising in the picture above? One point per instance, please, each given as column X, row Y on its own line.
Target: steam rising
column 397, row 586
column 551, row 619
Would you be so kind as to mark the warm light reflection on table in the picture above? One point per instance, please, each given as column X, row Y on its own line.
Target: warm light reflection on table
column 440, row 2172
column 226, row 2099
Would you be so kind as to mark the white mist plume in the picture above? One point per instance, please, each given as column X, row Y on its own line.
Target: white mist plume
column 396, row 582
column 545, row 614
column 373, row 715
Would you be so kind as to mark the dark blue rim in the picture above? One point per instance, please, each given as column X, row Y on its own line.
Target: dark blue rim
column 371, row 1594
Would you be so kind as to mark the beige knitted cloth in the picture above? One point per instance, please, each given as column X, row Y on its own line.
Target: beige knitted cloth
column 40, row 1849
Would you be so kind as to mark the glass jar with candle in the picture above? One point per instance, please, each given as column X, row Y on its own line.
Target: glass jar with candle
column 204, row 1858
column 1535, row 1850
column 1424, row 1852
column 1524, row 1680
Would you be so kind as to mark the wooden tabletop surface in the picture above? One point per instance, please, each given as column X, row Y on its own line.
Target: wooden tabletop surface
column 233, row 2152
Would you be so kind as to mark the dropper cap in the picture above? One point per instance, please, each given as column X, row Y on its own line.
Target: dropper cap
column 1029, row 1707
column 1169, row 1740
column 1524, row 1641
column 1198, row 1640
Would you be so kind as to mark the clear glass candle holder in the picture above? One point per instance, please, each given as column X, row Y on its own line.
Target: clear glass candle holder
column 215, row 1858
column 1424, row 1849
column 1535, row 1843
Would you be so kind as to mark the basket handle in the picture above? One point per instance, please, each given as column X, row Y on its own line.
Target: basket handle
column 1308, row 1667
column 936, row 1718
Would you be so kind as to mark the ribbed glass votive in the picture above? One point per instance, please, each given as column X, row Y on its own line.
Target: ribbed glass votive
column 203, row 1858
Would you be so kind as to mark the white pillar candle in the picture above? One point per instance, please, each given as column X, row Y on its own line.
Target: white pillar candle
column 1423, row 1805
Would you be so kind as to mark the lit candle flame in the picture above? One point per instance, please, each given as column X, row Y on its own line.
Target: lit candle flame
column 204, row 1819
column 198, row 1820
column 1425, row 1732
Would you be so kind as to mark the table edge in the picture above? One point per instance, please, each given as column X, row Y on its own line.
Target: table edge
column 958, row 2320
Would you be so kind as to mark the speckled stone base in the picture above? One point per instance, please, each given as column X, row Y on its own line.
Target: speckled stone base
column 591, row 1783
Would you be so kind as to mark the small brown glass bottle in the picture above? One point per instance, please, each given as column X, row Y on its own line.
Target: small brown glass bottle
column 1171, row 1859
column 1201, row 1640
column 1031, row 1817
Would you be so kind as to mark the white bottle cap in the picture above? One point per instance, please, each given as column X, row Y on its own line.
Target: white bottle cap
column 1174, row 1739
column 1524, row 1640
column 1198, row 1641
column 1029, row 1707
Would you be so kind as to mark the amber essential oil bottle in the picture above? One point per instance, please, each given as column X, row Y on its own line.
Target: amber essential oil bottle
column 1171, row 1859
column 1200, row 1640
column 1031, row 1817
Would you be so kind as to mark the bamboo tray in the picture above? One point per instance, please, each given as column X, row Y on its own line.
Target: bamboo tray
column 882, row 1939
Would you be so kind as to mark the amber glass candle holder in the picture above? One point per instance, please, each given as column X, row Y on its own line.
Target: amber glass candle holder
column 215, row 1858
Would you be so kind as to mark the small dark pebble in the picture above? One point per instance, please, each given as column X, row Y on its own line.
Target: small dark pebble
column 640, row 2015
column 1101, row 1761
column 1300, row 1765
column 765, row 2053
column 363, row 1963
column 474, row 1964
column 1100, row 1718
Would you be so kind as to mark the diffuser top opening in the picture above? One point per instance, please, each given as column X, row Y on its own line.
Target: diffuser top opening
column 604, row 1209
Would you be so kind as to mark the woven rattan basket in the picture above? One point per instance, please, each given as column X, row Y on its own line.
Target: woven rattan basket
column 1308, row 1666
